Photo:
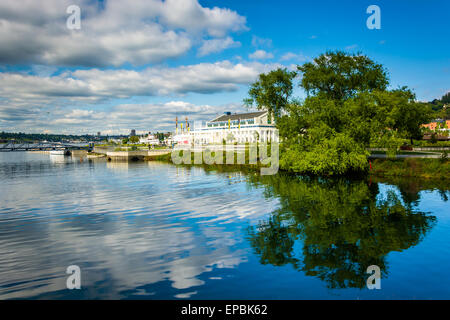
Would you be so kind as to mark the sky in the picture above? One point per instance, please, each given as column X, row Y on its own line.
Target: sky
column 138, row 64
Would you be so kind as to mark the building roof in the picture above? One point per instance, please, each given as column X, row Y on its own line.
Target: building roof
column 237, row 116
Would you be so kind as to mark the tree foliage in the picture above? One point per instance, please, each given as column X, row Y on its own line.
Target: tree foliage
column 29, row 137
column 272, row 91
column 348, row 108
column 446, row 98
column 339, row 75
column 134, row 139
column 408, row 115
column 441, row 107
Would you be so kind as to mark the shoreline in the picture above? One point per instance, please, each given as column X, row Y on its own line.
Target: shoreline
column 423, row 168
column 407, row 167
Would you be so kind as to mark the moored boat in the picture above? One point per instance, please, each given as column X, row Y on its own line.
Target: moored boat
column 57, row 152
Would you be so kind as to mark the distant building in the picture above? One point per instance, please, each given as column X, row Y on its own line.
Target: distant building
column 438, row 124
column 149, row 139
column 99, row 134
column 168, row 141
column 133, row 133
column 240, row 128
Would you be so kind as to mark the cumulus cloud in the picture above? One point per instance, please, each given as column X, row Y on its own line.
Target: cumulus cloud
column 145, row 117
column 191, row 16
column 221, row 76
column 261, row 42
column 68, row 80
column 70, row 100
column 12, row 113
column 260, row 55
column 294, row 56
column 217, row 45
column 117, row 119
column 137, row 31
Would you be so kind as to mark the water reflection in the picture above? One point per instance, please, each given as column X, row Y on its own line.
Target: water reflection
column 118, row 165
column 335, row 229
column 134, row 228
column 153, row 230
column 410, row 189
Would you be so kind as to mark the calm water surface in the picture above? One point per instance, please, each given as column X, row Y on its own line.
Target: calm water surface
column 157, row 231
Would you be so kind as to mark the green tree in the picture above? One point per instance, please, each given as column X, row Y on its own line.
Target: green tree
column 339, row 75
column 338, row 118
column 271, row 91
column 348, row 109
column 134, row 139
column 409, row 115
column 446, row 98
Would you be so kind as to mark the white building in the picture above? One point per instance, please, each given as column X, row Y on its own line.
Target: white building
column 182, row 138
column 149, row 139
column 168, row 141
column 240, row 128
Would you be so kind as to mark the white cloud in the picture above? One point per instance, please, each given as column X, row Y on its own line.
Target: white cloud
column 74, row 101
column 260, row 55
column 261, row 42
column 191, row 16
column 118, row 119
column 351, row 47
column 293, row 56
column 217, row 45
column 122, row 83
column 136, row 31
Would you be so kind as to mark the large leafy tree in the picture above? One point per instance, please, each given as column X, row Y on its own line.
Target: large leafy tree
column 340, row 76
column 347, row 109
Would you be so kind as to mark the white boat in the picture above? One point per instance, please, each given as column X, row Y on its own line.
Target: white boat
column 57, row 152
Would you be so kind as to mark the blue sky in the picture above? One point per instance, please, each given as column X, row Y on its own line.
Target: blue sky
column 411, row 42
column 139, row 64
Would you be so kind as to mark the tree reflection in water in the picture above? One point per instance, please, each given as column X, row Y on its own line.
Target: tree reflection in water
column 335, row 229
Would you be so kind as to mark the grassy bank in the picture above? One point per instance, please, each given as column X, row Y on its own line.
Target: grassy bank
column 409, row 167
column 413, row 167
column 411, row 153
column 163, row 157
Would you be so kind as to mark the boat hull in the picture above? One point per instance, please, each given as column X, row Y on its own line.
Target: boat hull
column 58, row 152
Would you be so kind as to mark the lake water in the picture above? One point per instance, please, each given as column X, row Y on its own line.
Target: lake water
column 150, row 230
